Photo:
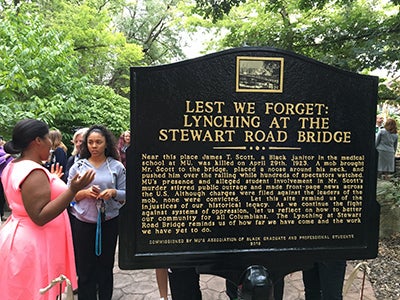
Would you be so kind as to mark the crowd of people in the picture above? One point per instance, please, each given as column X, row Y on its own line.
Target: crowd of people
column 65, row 212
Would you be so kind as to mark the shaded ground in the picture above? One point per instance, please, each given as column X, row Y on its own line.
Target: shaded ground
column 384, row 273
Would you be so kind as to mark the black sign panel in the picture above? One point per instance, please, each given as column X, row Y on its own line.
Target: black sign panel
column 249, row 156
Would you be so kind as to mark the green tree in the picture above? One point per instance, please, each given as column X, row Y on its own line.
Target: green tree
column 37, row 70
column 217, row 9
column 355, row 35
column 40, row 78
column 156, row 26
column 103, row 52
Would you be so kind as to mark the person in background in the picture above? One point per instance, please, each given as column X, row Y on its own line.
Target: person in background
column 75, row 155
column 386, row 145
column 58, row 150
column 184, row 284
column 94, row 216
column 162, row 283
column 324, row 280
column 35, row 241
column 5, row 158
column 124, row 142
column 378, row 124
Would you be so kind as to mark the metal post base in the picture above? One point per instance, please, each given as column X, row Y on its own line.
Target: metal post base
column 256, row 284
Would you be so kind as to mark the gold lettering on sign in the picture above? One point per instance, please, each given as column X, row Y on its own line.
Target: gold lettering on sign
column 248, row 122
column 187, row 194
column 197, row 198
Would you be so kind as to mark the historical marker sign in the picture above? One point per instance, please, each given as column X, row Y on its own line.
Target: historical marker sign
column 248, row 156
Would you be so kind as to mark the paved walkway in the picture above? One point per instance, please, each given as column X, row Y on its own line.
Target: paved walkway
column 141, row 285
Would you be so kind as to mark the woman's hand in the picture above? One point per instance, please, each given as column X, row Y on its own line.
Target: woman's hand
column 57, row 170
column 93, row 192
column 107, row 194
column 79, row 182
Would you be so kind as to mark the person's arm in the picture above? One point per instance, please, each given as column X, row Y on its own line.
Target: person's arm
column 378, row 138
column 88, row 193
column 4, row 158
column 118, row 193
column 36, row 191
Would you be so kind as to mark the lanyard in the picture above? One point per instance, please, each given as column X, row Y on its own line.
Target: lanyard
column 100, row 217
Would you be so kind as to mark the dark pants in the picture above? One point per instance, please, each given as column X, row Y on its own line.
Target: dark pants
column 324, row 280
column 184, row 284
column 95, row 273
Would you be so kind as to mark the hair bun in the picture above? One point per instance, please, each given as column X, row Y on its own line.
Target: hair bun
column 9, row 147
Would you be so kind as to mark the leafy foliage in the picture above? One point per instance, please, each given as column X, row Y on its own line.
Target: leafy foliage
column 355, row 35
column 40, row 78
column 103, row 52
column 37, row 70
column 155, row 25
column 388, row 191
column 215, row 9
column 67, row 62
